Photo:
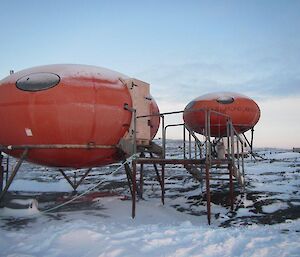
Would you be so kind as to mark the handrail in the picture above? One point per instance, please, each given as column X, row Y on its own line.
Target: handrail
column 182, row 111
column 231, row 133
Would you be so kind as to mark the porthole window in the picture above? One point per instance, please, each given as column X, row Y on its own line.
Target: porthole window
column 38, row 81
column 225, row 100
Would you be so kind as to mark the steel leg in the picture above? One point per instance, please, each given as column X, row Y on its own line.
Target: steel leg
column 231, row 167
column 14, row 172
column 157, row 172
column 1, row 173
column 141, row 189
column 208, row 194
column 133, row 188
column 163, row 184
column 141, row 181
column 129, row 178
column 83, row 177
column 68, row 179
column 75, row 184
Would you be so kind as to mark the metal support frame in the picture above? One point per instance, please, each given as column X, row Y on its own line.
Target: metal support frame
column 190, row 145
column 184, row 144
column 250, row 144
column 189, row 160
column 163, row 136
column 208, row 203
column 7, row 168
column 74, row 184
column 55, row 146
column 160, row 178
column 132, row 183
column 1, row 173
column 163, row 184
column 133, row 188
column 142, row 155
column 26, row 149
column 129, row 177
column 14, row 173
column 231, row 188
column 157, row 172
column 252, row 137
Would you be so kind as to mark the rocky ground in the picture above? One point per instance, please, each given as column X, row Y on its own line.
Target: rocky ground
column 271, row 194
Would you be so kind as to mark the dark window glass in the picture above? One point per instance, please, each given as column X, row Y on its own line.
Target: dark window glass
column 225, row 100
column 38, row 81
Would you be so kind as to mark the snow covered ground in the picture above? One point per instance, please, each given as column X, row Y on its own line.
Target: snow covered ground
column 265, row 221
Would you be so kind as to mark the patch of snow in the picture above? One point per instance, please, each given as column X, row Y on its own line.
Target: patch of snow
column 159, row 232
column 178, row 228
column 36, row 186
column 274, row 207
column 31, row 210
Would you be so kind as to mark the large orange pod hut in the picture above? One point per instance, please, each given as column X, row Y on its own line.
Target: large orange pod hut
column 65, row 106
column 242, row 110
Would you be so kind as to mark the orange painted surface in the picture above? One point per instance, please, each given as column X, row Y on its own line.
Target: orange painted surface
column 243, row 111
column 86, row 106
column 154, row 120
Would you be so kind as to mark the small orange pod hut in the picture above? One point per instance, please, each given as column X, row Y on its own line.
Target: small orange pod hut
column 67, row 106
column 242, row 110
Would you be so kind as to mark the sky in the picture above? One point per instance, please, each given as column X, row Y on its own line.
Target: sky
column 184, row 49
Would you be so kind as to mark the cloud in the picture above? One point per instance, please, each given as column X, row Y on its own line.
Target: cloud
column 275, row 88
column 261, row 79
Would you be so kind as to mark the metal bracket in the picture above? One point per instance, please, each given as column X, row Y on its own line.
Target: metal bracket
column 14, row 173
column 75, row 184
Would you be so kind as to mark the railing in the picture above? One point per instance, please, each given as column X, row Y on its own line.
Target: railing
column 235, row 144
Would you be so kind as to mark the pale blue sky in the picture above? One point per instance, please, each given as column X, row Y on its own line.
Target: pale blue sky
column 182, row 48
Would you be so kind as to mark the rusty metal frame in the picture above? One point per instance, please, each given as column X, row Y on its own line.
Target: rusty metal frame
column 206, row 162
column 231, row 188
column 55, row 146
column 1, row 173
column 137, row 190
column 14, row 173
column 134, row 188
column 74, row 184
column 208, row 198
column 129, row 176
column 142, row 155
column 156, row 171
column 27, row 148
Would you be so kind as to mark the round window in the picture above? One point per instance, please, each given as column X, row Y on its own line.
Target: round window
column 225, row 100
column 38, row 81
